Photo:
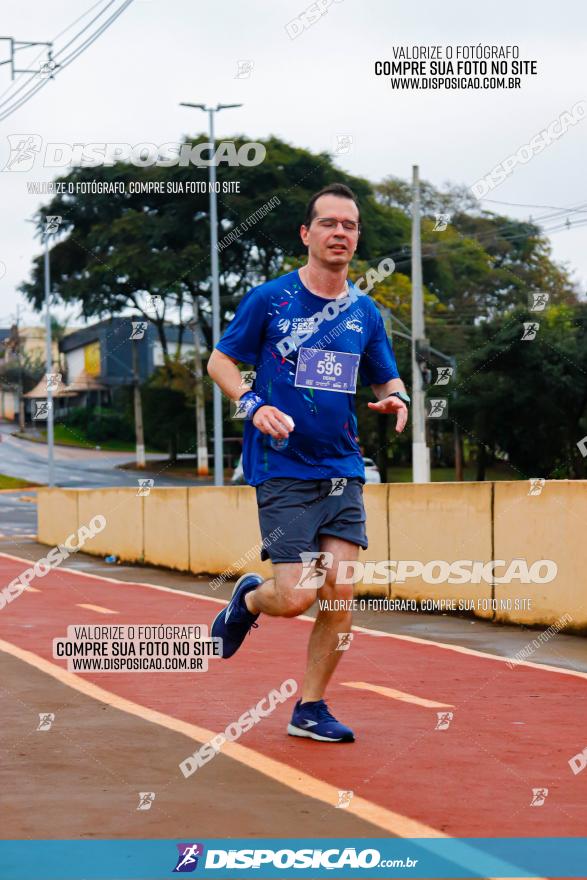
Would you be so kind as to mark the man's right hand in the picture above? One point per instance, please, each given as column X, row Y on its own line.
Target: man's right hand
column 270, row 420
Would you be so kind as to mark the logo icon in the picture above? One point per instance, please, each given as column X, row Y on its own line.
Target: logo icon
column 23, row 151
column 352, row 324
column 442, row 221
column 438, row 408
column 283, row 325
column 314, row 570
column 146, row 799
column 344, row 641
column 343, row 144
column 52, row 223
column 247, row 378
column 344, row 799
column 538, row 301
column 48, row 68
column 338, row 485
column 536, row 485
column 443, row 375
column 46, row 719
column 153, row 301
column 244, row 68
column 444, row 719
column 189, row 854
column 53, row 380
column 138, row 329
column 41, row 409
column 145, row 486
column 539, row 795
column 530, row 330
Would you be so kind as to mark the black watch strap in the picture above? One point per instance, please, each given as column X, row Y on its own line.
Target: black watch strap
column 405, row 398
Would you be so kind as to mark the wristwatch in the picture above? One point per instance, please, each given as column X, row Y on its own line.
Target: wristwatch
column 405, row 398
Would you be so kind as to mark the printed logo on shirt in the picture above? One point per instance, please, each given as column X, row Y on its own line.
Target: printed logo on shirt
column 303, row 325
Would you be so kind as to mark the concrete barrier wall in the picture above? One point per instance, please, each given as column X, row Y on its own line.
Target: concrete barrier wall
column 441, row 521
column 214, row 530
column 544, row 526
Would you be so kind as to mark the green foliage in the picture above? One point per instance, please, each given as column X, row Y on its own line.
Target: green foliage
column 109, row 425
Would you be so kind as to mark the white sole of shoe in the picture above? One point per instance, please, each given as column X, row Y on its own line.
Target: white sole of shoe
column 297, row 731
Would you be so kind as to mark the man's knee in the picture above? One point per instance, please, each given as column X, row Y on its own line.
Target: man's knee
column 297, row 601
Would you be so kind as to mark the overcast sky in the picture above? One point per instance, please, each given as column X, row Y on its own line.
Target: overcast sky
column 126, row 88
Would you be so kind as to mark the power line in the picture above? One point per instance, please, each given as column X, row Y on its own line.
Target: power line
column 431, row 250
column 521, row 205
column 12, row 86
column 68, row 60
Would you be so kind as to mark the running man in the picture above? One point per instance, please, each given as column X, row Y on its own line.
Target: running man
column 308, row 334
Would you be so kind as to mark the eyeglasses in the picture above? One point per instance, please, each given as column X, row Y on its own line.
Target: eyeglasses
column 332, row 223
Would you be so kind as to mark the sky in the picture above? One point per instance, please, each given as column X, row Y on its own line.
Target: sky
column 310, row 90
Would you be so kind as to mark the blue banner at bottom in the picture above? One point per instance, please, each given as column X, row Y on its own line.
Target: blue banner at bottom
column 304, row 858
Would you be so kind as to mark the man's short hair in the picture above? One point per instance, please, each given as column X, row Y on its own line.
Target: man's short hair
column 333, row 189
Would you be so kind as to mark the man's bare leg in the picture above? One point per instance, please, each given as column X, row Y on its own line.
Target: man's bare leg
column 279, row 596
column 323, row 658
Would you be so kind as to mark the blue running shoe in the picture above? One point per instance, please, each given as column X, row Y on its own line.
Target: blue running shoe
column 315, row 721
column 234, row 622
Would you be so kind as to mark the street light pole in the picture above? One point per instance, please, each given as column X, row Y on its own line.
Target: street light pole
column 214, row 265
column 420, row 452
column 48, row 368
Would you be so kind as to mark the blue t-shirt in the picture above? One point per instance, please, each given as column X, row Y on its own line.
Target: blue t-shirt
column 272, row 323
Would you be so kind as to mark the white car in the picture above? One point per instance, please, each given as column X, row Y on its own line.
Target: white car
column 372, row 474
column 238, row 477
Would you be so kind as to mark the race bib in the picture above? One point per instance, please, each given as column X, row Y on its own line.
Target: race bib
column 327, row 370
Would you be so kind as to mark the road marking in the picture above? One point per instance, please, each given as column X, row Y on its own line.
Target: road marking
column 99, row 608
column 297, row 780
column 471, row 652
column 397, row 695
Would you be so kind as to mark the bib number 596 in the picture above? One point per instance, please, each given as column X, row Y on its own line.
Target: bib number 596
column 329, row 366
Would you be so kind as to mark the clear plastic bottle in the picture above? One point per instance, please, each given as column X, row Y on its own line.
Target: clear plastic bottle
column 280, row 443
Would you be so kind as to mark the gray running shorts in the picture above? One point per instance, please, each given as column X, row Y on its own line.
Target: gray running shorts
column 294, row 513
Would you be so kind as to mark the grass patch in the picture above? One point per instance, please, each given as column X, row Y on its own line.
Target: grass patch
column 447, row 475
column 64, row 436
column 15, row 483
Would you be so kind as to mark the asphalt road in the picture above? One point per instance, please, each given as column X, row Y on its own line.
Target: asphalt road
column 74, row 468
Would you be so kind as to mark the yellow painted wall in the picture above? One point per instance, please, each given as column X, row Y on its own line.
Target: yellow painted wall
column 550, row 525
column 224, row 531
column 445, row 521
column 166, row 537
column 57, row 514
column 123, row 511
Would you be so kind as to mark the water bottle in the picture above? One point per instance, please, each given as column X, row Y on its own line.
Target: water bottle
column 280, row 443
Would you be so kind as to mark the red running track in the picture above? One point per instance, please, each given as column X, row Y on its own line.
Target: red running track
column 513, row 729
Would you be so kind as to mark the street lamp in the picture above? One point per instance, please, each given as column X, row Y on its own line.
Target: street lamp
column 218, row 438
column 48, row 366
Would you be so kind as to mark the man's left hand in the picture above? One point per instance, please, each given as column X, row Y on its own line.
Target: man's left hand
column 392, row 405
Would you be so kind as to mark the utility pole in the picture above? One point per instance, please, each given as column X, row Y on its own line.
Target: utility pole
column 458, row 443
column 49, row 367
column 218, row 438
column 201, row 439
column 138, row 407
column 21, row 424
column 420, row 452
